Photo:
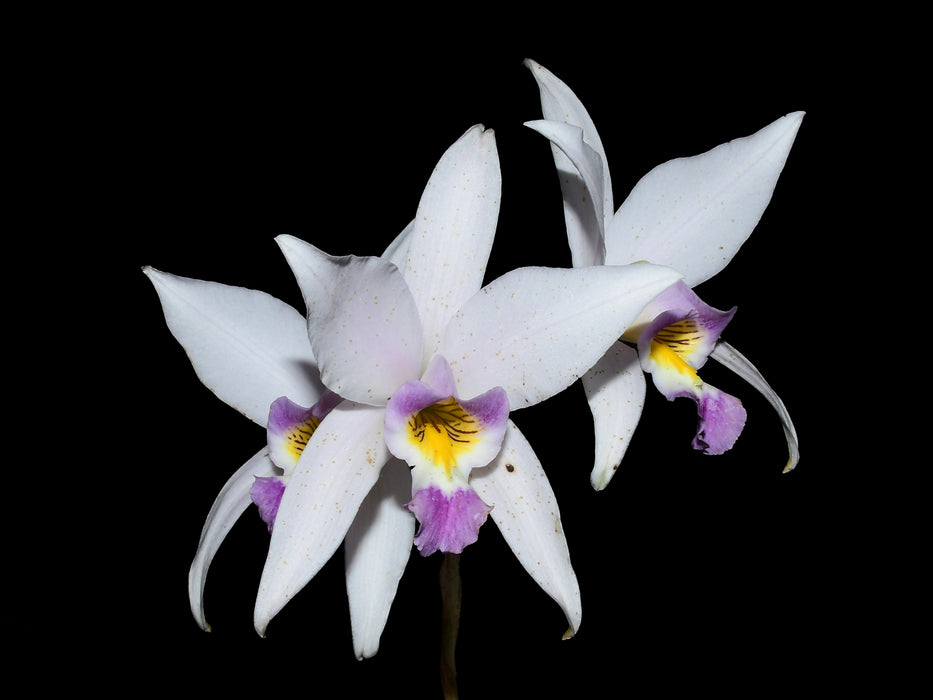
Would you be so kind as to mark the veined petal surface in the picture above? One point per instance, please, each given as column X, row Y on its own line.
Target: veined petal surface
column 231, row 502
column 377, row 547
column 246, row 346
column 694, row 213
column 364, row 326
column 525, row 510
column 335, row 472
column 534, row 331
column 453, row 231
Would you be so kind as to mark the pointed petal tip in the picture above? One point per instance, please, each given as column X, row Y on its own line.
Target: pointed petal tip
column 570, row 633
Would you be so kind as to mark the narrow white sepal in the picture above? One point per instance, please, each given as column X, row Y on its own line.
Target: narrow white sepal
column 229, row 505
column 615, row 392
column 585, row 199
column 525, row 510
column 246, row 346
column 335, row 472
column 377, row 548
column 738, row 363
column 453, row 231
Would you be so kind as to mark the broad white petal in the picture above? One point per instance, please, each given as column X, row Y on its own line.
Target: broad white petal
column 525, row 510
column 585, row 203
column 362, row 320
column 453, row 231
column 377, row 549
column 534, row 331
column 334, row 474
column 694, row 213
column 738, row 363
column 615, row 391
column 246, row 346
column 229, row 505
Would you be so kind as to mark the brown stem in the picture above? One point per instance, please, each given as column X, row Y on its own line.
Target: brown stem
column 450, row 622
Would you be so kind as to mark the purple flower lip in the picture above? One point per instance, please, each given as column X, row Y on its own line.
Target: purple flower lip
column 449, row 522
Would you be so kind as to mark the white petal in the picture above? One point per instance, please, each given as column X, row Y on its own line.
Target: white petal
column 525, row 510
column 585, row 203
column 336, row 471
column 397, row 251
column 734, row 360
column 247, row 347
column 453, row 231
column 229, row 505
column 615, row 391
column 693, row 214
column 560, row 104
column 534, row 331
column 362, row 320
column 377, row 547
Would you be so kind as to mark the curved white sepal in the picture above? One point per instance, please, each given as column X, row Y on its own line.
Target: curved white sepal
column 615, row 391
column 525, row 510
column 231, row 502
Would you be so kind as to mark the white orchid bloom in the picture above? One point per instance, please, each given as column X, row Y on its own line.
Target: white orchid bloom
column 691, row 214
column 401, row 344
column 397, row 341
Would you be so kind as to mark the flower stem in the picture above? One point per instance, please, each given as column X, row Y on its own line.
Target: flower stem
column 450, row 622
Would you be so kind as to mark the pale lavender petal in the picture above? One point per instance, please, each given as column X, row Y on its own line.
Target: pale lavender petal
column 448, row 521
column 439, row 377
column 362, row 320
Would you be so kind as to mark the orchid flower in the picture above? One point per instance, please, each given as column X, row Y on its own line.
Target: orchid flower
column 429, row 364
column 387, row 364
column 252, row 349
column 691, row 214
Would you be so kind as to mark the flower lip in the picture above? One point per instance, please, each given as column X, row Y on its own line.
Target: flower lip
column 449, row 521
column 432, row 429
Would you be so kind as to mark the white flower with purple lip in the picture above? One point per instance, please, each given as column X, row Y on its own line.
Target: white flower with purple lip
column 404, row 357
column 691, row 214
column 429, row 364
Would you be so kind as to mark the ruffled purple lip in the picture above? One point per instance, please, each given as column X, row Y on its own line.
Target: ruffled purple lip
column 448, row 522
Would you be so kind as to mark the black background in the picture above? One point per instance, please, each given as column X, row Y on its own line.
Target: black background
column 210, row 135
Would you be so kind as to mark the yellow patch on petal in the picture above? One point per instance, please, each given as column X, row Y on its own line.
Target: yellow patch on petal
column 443, row 431
column 681, row 337
column 298, row 436
column 668, row 357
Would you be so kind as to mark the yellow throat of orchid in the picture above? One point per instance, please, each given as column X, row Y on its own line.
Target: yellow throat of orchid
column 297, row 437
column 443, row 431
column 674, row 343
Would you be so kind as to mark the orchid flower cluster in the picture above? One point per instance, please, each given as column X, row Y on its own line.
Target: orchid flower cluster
column 397, row 383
